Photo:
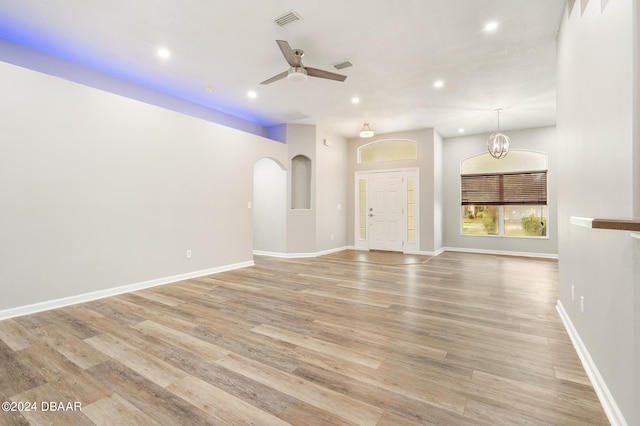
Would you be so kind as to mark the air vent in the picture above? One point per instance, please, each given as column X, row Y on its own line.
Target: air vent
column 288, row 18
column 342, row 65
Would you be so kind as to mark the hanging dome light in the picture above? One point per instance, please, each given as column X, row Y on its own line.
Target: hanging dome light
column 498, row 144
column 366, row 131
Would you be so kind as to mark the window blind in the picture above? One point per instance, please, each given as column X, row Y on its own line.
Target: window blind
column 528, row 188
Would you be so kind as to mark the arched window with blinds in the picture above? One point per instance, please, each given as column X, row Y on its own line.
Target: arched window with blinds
column 500, row 200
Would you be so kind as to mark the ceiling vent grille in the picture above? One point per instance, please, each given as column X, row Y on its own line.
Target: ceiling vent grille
column 342, row 65
column 288, row 18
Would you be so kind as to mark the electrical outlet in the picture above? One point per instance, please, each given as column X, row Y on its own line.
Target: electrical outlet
column 332, row 236
column 582, row 304
column 188, row 254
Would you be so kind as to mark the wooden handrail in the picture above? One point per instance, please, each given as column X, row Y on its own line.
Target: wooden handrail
column 622, row 224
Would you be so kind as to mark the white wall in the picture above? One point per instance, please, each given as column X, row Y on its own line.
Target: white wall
column 100, row 191
column 32, row 59
column 460, row 148
column 636, row 209
column 596, row 81
column 269, row 206
column 301, row 223
column 322, row 227
column 429, row 143
column 427, row 165
column 331, row 191
column 438, row 192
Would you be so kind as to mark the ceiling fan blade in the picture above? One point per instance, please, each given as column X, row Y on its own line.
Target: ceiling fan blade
column 287, row 51
column 315, row 72
column 276, row 77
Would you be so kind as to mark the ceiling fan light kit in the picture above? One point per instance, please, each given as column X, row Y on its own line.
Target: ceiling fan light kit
column 498, row 144
column 366, row 131
column 297, row 74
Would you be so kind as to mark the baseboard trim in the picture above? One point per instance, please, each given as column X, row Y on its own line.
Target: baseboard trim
column 424, row 253
column 299, row 255
column 430, row 253
column 100, row 294
column 503, row 253
column 611, row 409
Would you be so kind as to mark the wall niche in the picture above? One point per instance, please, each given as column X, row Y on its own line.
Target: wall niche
column 300, row 182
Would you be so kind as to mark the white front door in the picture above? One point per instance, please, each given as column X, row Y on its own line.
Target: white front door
column 385, row 215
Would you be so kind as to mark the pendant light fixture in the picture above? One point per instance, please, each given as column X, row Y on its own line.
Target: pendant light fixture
column 366, row 131
column 498, row 144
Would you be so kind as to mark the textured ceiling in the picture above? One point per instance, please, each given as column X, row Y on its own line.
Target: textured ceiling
column 398, row 50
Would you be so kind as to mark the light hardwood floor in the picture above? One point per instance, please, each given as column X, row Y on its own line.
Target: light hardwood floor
column 349, row 338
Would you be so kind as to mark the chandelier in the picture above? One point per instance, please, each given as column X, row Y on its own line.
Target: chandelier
column 498, row 144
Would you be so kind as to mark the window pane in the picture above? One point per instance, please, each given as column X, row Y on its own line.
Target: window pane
column 362, row 208
column 411, row 235
column 388, row 150
column 525, row 221
column 480, row 220
column 481, row 189
column 524, row 188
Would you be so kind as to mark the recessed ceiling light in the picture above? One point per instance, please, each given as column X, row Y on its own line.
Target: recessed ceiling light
column 355, row 100
column 208, row 89
column 491, row 26
column 438, row 83
column 251, row 94
column 460, row 130
column 164, row 53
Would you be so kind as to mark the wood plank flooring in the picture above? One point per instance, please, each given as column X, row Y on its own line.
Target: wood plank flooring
column 345, row 339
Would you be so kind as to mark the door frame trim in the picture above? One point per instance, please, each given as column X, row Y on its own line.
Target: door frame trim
column 406, row 172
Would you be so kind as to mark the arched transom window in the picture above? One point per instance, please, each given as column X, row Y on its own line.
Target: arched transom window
column 388, row 150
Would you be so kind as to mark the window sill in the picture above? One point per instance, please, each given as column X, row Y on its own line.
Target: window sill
column 509, row 237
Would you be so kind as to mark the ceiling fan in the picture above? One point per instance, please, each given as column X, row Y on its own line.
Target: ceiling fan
column 297, row 71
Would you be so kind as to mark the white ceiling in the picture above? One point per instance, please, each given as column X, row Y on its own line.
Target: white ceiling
column 397, row 48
